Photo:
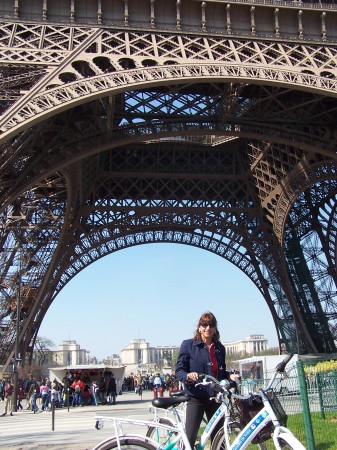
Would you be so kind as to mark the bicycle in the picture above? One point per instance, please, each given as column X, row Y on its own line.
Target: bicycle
column 248, row 419
column 163, row 435
column 159, row 434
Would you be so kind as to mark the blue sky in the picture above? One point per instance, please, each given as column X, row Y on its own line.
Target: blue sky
column 156, row 292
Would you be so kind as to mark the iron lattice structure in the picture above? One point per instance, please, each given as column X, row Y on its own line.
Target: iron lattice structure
column 208, row 124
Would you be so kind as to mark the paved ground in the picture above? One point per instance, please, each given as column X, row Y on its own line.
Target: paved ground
column 49, row 447
column 72, row 429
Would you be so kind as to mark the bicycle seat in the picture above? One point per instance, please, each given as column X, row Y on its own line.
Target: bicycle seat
column 168, row 402
column 177, row 393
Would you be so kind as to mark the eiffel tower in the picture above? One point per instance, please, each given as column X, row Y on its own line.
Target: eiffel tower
column 204, row 123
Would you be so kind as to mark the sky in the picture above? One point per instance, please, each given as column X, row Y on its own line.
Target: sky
column 155, row 292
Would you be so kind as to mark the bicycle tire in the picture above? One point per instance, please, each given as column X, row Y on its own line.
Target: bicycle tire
column 160, row 435
column 126, row 443
column 219, row 442
column 289, row 442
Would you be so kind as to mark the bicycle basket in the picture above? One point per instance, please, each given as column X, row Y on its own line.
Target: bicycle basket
column 277, row 407
column 248, row 408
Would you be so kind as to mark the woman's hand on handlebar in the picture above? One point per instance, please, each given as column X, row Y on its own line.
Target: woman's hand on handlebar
column 192, row 376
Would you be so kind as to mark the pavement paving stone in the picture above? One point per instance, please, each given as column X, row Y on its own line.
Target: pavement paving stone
column 74, row 429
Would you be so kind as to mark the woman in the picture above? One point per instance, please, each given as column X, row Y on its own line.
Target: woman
column 44, row 393
column 202, row 354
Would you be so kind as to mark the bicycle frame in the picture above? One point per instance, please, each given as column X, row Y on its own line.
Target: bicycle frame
column 177, row 431
column 249, row 432
column 219, row 413
column 168, row 413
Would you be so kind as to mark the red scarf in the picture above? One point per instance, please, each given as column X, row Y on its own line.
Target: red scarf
column 213, row 359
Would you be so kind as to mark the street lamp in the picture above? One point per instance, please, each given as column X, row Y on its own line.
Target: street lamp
column 17, row 358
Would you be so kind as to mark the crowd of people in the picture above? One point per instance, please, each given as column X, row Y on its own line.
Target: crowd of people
column 76, row 391
column 40, row 392
column 138, row 383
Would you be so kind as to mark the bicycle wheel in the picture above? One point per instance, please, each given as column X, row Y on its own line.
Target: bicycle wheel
column 219, row 442
column 289, row 442
column 161, row 435
column 127, row 443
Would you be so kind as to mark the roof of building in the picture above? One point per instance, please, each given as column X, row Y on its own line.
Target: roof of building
column 86, row 367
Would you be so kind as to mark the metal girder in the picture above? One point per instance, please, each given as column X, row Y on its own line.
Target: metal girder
column 115, row 137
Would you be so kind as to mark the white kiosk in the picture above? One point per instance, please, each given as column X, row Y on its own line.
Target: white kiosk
column 88, row 373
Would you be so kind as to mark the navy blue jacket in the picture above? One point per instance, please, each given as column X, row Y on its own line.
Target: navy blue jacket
column 194, row 357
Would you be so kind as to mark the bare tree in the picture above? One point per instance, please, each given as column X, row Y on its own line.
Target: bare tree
column 42, row 350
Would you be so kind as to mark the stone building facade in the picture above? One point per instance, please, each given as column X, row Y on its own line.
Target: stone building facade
column 251, row 345
column 69, row 353
column 138, row 356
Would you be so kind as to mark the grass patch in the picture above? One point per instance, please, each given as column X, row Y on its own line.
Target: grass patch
column 324, row 431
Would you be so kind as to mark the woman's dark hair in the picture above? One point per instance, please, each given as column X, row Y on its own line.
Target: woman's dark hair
column 209, row 318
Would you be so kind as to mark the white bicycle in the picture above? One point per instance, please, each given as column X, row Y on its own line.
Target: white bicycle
column 167, row 417
column 239, row 431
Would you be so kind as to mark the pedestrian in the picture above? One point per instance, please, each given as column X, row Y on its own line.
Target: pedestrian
column 44, row 394
column 78, row 387
column 66, row 391
column 26, row 385
column 112, row 390
column 20, row 398
column 86, row 394
column 33, row 401
column 94, row 388
column 204, row 353
column 101, row 391
column 157, row 381
column 9, row 389
column 2, row 390
column 56, row 389
column 33, row 386
column 151, row 381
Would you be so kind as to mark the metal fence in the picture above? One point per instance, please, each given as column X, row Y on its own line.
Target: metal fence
column 322, row 404
column 310, row 401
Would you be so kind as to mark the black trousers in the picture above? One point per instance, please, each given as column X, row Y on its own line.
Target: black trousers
column 196, row 407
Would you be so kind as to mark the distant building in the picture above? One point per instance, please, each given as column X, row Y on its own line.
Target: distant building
column 113, row 360
column 68, row 353
column 251, row 345
column 138, row 356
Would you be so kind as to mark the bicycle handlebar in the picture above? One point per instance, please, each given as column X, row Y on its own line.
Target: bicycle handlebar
column 204, row 377
column 282, row 365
